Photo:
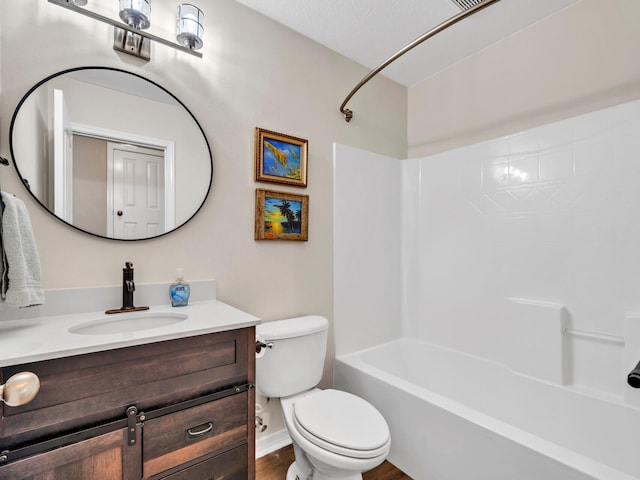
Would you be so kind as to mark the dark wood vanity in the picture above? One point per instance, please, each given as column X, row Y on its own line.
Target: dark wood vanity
column 179, row 409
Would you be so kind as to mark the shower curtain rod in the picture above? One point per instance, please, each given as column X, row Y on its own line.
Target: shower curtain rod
column 348, row 114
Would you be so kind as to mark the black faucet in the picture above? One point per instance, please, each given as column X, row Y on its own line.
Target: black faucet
column 633, row 378
column 128, row 287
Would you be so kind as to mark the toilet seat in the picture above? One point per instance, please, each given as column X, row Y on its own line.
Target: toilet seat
column 341, row 423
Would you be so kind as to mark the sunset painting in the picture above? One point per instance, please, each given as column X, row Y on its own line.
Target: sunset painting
column 281, row 216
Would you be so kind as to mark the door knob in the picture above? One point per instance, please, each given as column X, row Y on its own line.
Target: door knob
column 119, row 212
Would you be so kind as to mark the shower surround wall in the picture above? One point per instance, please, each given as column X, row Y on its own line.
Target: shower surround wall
column 492, row 249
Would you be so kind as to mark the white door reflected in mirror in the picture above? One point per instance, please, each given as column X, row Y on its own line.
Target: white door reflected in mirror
column 136, row 177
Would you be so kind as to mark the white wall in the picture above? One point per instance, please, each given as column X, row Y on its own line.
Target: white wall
column 366, row 254
column 255, row 73
column 547, row 214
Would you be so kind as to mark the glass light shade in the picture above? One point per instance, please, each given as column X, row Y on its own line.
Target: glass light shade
column 189, row 29
column 136, row 13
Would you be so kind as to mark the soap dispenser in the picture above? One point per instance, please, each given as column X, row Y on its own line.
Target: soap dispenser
column 179, row 290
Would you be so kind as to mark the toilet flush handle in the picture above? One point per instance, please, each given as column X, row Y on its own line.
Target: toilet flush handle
column 260, row 345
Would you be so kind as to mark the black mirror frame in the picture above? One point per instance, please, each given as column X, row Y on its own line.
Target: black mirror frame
column 75, row 69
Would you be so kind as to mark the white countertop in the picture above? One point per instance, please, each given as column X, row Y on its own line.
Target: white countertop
column 48, row 337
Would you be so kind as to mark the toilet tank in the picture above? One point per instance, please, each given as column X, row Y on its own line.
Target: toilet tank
column 296, row 361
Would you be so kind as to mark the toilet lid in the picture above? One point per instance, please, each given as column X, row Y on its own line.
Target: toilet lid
column 342, row 423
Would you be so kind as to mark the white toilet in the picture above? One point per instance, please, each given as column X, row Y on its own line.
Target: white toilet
column 336, row 435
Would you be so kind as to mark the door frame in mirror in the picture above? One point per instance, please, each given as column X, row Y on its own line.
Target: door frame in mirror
column 167, row 146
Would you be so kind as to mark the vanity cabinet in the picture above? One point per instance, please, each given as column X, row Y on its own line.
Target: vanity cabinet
column 177, row 409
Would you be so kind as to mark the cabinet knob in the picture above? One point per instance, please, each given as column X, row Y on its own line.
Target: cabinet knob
column 20, row 389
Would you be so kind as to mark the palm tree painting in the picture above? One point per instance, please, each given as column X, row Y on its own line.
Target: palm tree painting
column 280, row 158
column 282, row 216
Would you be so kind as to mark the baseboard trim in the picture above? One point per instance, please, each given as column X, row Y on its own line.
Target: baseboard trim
column 272, row 442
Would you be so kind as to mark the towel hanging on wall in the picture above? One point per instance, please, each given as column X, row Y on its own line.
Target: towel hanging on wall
column 20, row 279
column 3, row 161
column 4, row 279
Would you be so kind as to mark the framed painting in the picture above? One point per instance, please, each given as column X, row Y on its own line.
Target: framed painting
column 280, row 158
column 281, row 216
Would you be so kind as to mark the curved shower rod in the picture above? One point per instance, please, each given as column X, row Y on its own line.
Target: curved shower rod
column 348, row 114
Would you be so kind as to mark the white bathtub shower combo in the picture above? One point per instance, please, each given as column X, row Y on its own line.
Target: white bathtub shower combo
column 487, row 299
column 454, row 415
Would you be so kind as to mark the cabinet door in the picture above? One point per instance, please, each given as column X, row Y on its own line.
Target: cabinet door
column 105, row 457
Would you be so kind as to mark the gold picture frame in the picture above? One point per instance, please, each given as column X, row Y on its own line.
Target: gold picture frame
column 281, row 216
column 280, row 158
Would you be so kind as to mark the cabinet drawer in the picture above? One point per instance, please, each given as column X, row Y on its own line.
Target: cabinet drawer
column 189, row 434
column 230, row 465
column 89, row 389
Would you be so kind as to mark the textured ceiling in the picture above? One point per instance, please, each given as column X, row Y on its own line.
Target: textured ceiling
column 370, row 31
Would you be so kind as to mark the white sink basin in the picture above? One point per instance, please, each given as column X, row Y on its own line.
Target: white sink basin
column 125, row 323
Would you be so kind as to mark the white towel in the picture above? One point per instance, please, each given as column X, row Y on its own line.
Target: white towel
column 20, row 257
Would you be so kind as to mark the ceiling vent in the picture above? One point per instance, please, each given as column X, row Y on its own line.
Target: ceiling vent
column 466, row 4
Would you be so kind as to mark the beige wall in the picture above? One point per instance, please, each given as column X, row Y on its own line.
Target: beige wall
column 581, row 59
column 254, row 73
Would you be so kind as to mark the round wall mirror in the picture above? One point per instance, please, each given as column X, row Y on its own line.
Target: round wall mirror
column 111, row 153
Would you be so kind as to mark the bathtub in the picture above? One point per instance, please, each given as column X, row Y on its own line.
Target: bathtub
column 454, row 416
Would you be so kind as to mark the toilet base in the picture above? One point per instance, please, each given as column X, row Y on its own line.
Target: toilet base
column 294, row 474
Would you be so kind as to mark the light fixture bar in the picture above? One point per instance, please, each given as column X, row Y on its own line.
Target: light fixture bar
column 115, row 23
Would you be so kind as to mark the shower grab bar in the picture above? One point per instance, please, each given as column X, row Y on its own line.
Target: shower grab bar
column 594, row 335
column 348, row 114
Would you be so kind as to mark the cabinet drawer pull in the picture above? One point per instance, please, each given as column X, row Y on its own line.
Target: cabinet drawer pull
column 199, row 430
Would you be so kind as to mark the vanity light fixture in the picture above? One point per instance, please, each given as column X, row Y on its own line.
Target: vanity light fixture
column 130, row 37
column 189, row 29
column 136, row 14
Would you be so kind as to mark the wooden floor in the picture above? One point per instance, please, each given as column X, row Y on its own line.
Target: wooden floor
column 274, row 467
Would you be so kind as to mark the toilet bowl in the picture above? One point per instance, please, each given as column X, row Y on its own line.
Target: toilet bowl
column 335, row 435
column 339, row 435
